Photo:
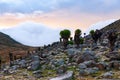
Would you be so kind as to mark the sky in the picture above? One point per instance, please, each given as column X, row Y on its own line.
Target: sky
column 35, row 17
column 58, row 13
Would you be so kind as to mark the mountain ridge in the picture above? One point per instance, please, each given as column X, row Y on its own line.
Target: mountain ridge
column 113, row 26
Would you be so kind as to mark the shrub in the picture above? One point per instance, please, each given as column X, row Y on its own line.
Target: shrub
column 70, row 42
column 92, row 32
column 81, row 40
column 78, row 31
column 65, row 33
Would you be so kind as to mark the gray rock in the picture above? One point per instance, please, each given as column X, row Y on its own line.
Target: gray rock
column 22, row 63
column 88, row 71
column 71, row 51
column 82, row 72
column 62, row 69
column 35, row 58
column 61, row 62
column 82, row 66
column 15, row 67
column 91, row 70
column 67, row 76
column 90, row 63
column 108, row 75
column 34, row 65
column 37, row 72
column 85, row 56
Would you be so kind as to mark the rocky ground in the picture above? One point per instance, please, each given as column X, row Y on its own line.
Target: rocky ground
column 89, row 62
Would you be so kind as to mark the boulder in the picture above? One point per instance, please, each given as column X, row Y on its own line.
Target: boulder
column 90, row 63
column 34, row 65
column 85, row 56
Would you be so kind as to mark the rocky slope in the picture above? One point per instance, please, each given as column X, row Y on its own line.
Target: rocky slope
column 53, row 62
column 115, row 25
column 89, row 62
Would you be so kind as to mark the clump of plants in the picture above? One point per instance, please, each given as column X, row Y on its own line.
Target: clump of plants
column 65, row 35
column 77, row 37
column 92, row 32
column 81, row 40
column 70, row 42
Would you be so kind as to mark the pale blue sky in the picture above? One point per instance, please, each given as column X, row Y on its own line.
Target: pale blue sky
column 89, row 6
column 58, row 13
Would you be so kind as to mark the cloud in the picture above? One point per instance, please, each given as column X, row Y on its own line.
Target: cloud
column 33, row 34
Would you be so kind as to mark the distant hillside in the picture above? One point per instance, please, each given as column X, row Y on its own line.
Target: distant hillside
column 6, row 42
column 115, row 25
